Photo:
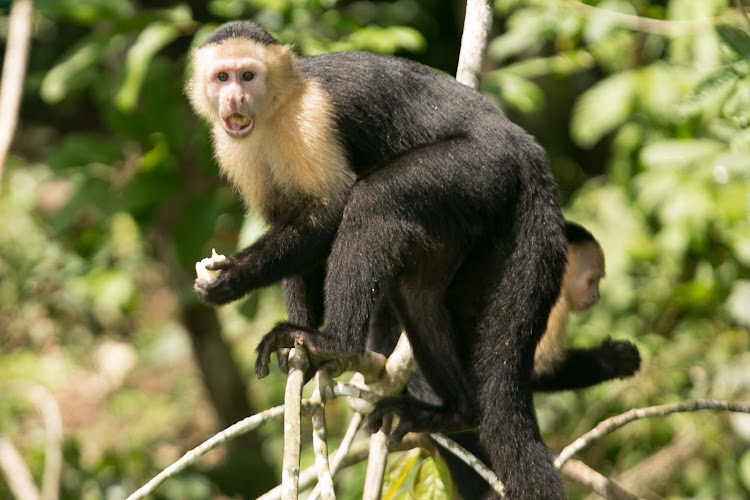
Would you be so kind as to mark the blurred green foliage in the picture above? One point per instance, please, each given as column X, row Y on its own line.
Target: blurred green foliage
column 111, row 195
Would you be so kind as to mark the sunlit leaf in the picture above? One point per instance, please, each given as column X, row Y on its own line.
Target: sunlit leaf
column 679, row 153
column 603, row 108
column 737, row 106
column 398, row 471
column 527, row 29
column 151, row 40
column 433, row 481
column 738, row 303
column 519, row 93
column 68, row 73
column 709, row 90
column 736, row 39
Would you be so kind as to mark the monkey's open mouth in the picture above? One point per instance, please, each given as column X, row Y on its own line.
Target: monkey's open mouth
column 238, row 125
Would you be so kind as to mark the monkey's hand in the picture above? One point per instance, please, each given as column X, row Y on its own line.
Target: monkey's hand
column 414, row 416
column 223, row 284
column 620, row 356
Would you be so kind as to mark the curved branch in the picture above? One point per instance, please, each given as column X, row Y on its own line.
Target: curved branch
column 613, row 423
column 14, row 70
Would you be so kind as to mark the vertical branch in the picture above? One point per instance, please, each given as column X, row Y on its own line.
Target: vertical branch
column 477, row 25
column 14, row 70
column 341, row 452
column 53, row 427
column 17, row 474
column 376, row 461
column 321, row 394
column 298, row 362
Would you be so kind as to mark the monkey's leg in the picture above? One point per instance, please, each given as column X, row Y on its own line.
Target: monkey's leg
column 586, row 367
column 303, row 298
column 405, row 206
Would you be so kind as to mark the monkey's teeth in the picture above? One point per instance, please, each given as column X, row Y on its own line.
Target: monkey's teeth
column 239, row 121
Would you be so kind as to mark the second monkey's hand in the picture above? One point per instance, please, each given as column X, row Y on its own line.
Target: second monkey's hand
column 226, row 287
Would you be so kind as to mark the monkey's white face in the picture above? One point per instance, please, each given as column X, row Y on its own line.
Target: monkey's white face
column 230, row 86
column 582, row 275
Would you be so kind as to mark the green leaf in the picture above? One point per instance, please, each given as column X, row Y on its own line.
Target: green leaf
column 711, row 89
column 736, row 39
column 602, row 108
column 398, row 471
column 739, row 304
column 519, row 93
column 433, row 481
column 527, row 29
column 67, row 74
column 151, row 40
column 675, row 153
column 737, row 106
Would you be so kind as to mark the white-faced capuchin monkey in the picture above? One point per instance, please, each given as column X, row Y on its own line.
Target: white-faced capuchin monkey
column 384, row 181
column 556, row 368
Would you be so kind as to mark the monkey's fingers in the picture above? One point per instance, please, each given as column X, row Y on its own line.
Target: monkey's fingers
column 221, row 265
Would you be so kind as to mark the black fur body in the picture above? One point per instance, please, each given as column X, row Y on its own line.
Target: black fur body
column 451, row 226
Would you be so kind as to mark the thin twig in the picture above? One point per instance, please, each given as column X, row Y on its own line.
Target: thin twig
column 319, row 433
column 192, row 456
column 47, row 406
column 376, row 461
column 742, row 10
column 613, row 423
column 477, row 26
column 472, row 461
column 599, row 484
column 16, row 472
column 298, row 363
column 341, row 452
column 643, row 24
column 14, row 71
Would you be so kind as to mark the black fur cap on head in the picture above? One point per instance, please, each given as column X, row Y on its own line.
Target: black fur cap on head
column 576, row 234
column 241, row 29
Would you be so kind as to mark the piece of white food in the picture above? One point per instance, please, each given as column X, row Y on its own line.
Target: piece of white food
column 208, row 274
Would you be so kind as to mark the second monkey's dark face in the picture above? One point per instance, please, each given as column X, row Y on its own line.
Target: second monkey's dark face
column 584, row 271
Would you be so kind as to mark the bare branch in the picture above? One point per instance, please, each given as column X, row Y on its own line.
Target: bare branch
column 298, row 362
column 47, row 406
column 341, row 452
column 16, row 472
column 319, row 433
column 376, row 461
column 14, row 70
column 599, row 484
column 192, row 456
column 741, row 8
column 477, row 26
column 613, row 423
column 472, row 461
column 642, row 24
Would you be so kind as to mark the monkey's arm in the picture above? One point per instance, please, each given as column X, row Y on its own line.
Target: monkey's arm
column 586, row 367
column 284, row 251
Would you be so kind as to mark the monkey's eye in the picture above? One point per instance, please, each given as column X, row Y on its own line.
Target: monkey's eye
column 223, row 76
column 248, row 75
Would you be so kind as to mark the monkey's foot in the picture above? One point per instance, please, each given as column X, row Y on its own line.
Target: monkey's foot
column 414, row 416
column 620, row 357
column 319, row 347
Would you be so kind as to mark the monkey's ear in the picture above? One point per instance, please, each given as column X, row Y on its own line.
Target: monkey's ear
column 195, row 88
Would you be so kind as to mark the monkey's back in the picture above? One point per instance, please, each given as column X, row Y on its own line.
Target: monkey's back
column 386, row 106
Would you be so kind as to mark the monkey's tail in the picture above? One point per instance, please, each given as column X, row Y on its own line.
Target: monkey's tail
column 515, row 318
